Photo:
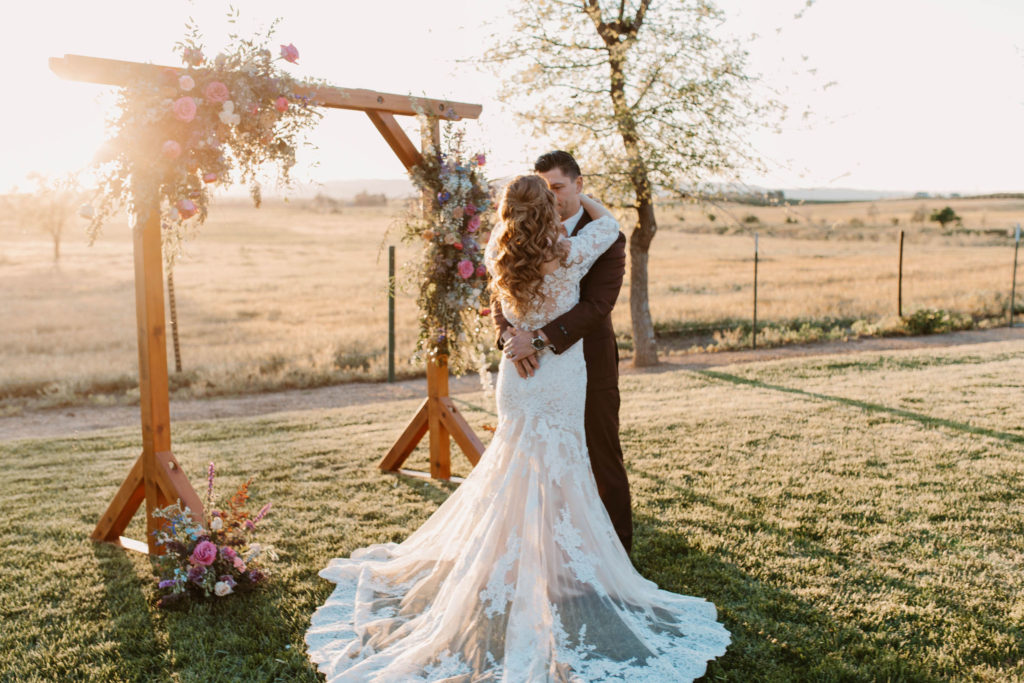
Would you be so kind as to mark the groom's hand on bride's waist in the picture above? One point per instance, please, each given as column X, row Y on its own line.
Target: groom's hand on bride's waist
column 519, row 348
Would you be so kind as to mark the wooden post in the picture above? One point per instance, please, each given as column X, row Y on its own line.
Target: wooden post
column 1013, row 286
column 899, row 281
column 437, row 414
column 391, row 313
column 753, row 336
column 156, row 476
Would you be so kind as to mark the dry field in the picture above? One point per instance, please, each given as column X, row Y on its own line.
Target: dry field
column 286, row 297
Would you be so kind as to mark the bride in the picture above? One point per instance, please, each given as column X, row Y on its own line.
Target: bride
column 519, row 576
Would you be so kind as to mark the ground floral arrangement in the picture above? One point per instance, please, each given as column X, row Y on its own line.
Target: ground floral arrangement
column 453, row 294
column 212, row 121
column 214, row 559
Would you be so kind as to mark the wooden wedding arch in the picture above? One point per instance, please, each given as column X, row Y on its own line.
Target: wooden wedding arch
column 156, row 477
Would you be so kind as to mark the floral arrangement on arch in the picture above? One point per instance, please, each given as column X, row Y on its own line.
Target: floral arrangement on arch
column 215, row 559
column 453, row 292
column 213, row 121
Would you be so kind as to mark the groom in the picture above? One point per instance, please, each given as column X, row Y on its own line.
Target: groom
column 590, row 320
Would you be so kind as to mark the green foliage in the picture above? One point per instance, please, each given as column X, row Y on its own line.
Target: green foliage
column 932, row 321
column 750, row 219
column 944, row 216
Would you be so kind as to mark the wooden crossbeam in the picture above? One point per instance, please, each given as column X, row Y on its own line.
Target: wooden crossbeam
column 121, row 73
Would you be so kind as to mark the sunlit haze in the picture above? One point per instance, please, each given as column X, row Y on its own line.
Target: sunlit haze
column 904, row 96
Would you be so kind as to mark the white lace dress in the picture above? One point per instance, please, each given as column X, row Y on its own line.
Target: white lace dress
column 519, row 576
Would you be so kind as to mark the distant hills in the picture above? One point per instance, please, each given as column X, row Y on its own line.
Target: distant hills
column 402, row 187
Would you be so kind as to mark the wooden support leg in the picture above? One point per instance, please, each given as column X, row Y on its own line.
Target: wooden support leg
column 156, row 476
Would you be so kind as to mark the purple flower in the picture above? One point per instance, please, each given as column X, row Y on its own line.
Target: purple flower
column 209, row 482
column 481, row 159
column 255, row 575
column 167, row 583
column 261, row 514
column 196, row 574
column 228, row 580
column 443, row 196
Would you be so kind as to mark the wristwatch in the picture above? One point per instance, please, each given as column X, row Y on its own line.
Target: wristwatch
column 538, row 343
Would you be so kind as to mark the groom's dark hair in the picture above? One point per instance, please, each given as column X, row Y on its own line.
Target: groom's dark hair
column 560, row 160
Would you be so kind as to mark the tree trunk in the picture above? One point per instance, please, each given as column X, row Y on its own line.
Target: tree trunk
column 56, row 248
column 645, row 349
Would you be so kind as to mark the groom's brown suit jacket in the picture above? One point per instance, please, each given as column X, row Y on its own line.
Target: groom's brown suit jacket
column 590, row 320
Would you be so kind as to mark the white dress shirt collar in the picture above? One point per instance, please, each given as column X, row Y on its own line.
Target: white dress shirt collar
column 571, row 221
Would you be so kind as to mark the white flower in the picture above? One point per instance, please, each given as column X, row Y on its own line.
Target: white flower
column 228, row 106
column 222, row 588
column 217, row 524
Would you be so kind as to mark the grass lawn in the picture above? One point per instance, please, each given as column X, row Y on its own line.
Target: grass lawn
column 855, row 518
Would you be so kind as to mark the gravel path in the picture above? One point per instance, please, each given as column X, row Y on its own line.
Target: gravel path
column 81, row 420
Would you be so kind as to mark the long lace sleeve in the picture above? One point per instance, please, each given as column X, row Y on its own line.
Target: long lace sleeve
column 591, row 241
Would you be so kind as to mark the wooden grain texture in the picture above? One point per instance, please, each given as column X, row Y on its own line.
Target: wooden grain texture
column 121, row 73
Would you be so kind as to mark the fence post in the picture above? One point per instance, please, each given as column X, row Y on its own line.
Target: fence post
column 391, row 313
column 753, row 335
column 899, row 281
column 1013, row 286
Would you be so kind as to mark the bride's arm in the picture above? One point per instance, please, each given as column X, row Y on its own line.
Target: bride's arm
column 593, row 207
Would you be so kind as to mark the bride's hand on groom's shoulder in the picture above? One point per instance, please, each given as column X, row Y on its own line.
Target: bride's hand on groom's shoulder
column 594, row 208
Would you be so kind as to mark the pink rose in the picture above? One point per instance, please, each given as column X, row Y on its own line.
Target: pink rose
column 186, row 83
column 216, row 92
column 239, row 564
column 466, row 269
column 289, row 53
column 474, row 224
column 204, row 554
column 480, row 159
column 171, row 149
column 458, row 245
column 281, row 104
column 209, row 177
column 187, row 208
column 481, row 271
column 470, row 209
column 184, row 109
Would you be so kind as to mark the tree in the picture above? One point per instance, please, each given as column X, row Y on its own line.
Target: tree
column 946, row 215
column 49, row 206
column 646, row 94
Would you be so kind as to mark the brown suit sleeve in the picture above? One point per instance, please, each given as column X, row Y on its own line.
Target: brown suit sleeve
column 500, row 323
column 598, row 291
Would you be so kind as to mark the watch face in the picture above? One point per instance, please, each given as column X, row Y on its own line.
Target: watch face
column 538, row 343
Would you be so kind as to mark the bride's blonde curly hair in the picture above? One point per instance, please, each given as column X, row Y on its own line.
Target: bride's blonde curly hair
column 529, row 240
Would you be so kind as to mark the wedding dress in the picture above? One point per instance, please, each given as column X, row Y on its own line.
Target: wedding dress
column 518, row 576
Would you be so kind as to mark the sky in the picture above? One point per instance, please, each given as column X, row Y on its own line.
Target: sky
column 904, row 95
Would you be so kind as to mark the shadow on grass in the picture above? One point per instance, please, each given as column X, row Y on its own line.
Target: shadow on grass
column 778, row 636
column 127, row 617
column 926, row 420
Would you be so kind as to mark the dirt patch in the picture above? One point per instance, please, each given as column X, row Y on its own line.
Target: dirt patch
column 78, row 421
